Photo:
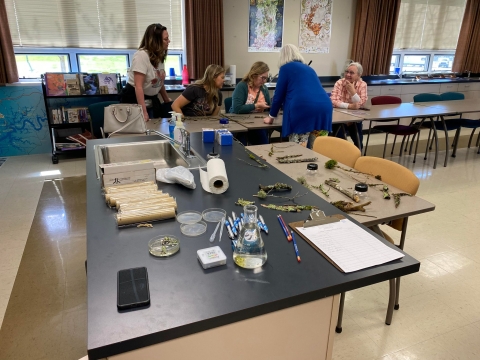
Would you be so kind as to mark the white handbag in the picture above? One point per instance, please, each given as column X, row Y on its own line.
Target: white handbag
column 124, row 118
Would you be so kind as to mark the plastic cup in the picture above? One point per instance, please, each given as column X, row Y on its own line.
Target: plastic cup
column 172, row 72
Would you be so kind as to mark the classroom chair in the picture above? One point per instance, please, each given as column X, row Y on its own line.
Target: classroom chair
column 397, row 129
column 402, row 178
column 338, row 149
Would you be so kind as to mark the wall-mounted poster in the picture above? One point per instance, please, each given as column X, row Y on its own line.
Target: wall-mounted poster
column 265, row 25
column 315, row 26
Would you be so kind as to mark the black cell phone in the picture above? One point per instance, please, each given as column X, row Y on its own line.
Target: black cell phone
column 132, row 288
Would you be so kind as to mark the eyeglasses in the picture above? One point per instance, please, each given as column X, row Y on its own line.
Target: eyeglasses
column 350, row 72
column 264, row 78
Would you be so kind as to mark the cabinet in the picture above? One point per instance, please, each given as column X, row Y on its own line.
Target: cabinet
column 60, row 104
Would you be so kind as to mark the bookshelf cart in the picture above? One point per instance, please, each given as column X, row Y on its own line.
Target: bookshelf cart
column 59, row 126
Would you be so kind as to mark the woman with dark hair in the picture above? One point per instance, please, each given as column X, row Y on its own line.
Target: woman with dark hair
column 250, row 96
column 202, row 97
column 147, row 74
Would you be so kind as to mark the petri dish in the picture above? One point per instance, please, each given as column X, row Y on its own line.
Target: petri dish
column 193, row 229
column 213, row 215
column 189, row 217
column 163, row 245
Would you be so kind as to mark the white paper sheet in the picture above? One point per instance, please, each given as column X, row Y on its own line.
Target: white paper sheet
column 349, row 246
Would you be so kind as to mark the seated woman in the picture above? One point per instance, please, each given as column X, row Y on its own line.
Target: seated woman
column 251, row 96
column 306, row 106
column 351, row 93
column 202, row 98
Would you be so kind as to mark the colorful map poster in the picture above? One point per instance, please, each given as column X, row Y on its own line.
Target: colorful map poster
column 315, row 26
column 265, row 26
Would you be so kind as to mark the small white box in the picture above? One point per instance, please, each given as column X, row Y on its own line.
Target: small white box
column 128, row 177
column 211, row 257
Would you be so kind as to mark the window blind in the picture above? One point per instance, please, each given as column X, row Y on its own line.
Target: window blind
column 429, row 24
column 100, row 24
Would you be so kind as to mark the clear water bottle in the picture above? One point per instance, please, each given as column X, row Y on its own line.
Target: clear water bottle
column 250, row 250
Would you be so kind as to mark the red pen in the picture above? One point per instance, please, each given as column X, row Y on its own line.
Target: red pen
column 285, row 227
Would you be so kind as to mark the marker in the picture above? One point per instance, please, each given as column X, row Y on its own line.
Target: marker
column 230, row 233
column 289, row 235
column 263, row 223
column 260, row 225
column 230, row 221
column 283, row 227
column 234, row 244
column 296, row 248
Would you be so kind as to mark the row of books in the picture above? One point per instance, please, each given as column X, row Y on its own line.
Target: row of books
column 70, row 115
column 66, row 84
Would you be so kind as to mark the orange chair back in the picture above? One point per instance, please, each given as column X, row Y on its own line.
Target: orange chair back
column 393, row 174
column 338, row 149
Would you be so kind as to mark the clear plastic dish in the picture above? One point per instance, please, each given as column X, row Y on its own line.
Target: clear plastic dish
column 214, row 214
column 193, row 229
column 189, row 217
column 163, row 245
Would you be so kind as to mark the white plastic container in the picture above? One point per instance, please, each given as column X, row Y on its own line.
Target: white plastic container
column 177, row 134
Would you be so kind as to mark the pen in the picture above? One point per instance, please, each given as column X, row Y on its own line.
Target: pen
column 289, row 235
column 283, row 228
column 296, row 248
column 234, row 244
column 230, row 222
column 263, row 223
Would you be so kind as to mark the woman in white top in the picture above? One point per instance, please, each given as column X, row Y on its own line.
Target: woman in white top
column 147, row 74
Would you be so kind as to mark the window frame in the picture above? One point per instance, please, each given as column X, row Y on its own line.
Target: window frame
column 430, row 53
column 77, row 55
column 72, row 55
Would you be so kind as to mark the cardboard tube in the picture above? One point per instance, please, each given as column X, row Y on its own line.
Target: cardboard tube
column 139, row 216
column 147, row 203
column 109, row 189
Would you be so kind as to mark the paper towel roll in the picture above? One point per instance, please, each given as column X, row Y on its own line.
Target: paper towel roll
column 214, row 180
column 233, row 71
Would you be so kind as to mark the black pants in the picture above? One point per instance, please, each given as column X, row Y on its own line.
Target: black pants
column 358, row 126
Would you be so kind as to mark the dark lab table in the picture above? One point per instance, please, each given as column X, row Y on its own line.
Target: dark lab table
column 185, row 299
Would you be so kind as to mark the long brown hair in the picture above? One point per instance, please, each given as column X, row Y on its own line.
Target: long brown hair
column 257, row 68
column 208, row 83
column 152, row 42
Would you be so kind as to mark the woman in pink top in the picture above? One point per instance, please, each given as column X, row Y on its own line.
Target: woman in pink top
column 351, row 93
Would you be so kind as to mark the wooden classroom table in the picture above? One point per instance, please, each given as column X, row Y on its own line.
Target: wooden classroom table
column 381, row 211
column 454, row 106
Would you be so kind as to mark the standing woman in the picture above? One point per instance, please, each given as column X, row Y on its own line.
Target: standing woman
column 147, row 74
column 306, row 105
column 252, row 96
column 202, row 98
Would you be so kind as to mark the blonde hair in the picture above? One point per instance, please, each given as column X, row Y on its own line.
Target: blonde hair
column 289, row 53
column 257, row 68
column 208, row 83
column 152, row 43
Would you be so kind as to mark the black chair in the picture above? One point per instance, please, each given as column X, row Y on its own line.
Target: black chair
column 96, row 111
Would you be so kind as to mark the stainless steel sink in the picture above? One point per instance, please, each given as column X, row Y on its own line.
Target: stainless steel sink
column 163, row 153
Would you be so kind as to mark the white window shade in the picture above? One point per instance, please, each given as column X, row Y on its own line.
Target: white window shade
column 100, row 24
column 429, row 24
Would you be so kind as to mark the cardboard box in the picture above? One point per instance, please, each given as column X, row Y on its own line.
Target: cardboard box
column 127, row 166
column 128, row 177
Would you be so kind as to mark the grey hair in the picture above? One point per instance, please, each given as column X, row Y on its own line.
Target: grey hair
column 289, row 53
column 358, row 66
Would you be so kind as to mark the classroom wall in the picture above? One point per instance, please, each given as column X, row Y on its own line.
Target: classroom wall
column 235, row 13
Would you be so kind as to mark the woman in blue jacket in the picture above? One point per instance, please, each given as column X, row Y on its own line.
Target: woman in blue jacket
column 306, row 105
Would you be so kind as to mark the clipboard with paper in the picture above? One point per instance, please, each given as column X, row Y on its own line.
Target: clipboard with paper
column 344, row 244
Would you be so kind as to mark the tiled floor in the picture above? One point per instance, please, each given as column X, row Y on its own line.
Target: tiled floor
column 439, row 316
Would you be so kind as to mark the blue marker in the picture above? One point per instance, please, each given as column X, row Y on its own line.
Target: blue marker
column 234, row 244
column 230, row 222
column 263, row 223
column 229, row 229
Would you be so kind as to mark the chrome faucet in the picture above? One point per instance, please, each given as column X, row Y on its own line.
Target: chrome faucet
column 271, row 78
column 184, row 145
column 468, row 73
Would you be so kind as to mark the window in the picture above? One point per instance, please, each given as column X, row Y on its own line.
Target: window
column 97, row 35
column 31, row 66
column 442, row 62
column 103, row 63
column 427, row 34
column 415, row 63
column 395, row 62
